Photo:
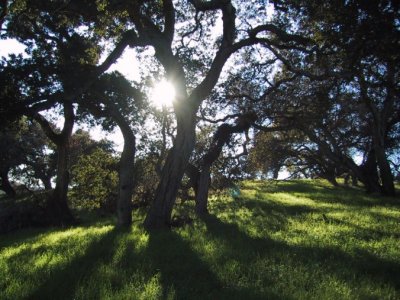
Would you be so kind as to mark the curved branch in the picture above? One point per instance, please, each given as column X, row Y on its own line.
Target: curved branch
column 169, row 13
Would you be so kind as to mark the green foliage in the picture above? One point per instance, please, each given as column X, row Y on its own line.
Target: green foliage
column 146, row 180
column 94, row 181
column 278, row 240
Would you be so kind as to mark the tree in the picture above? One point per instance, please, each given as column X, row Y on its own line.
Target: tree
column 359, row 42
column 112, row 97
column 157, row 30
column 39, row 158
column 61, row 64
column 222, row 136
column 11, row 154
column 58, row 202
column 94, row 181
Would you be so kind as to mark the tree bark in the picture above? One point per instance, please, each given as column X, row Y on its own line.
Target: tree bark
column 159, row 215
column 379, row 122
column 57, row 204
column 46, row 182
column 59, row 211
column 366, row 173
column 126, row 175
column 385, row 172
column 202, row 191
column 221, row 137
column 6, row 185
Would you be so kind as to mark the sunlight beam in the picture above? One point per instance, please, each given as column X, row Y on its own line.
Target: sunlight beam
column 162, row 94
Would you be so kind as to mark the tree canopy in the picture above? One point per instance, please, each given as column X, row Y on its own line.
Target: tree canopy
column 259, row 86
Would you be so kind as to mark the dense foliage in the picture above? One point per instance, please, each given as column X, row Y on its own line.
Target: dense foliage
column 94, row 181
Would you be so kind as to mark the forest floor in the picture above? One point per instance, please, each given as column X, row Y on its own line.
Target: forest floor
column 276, row 240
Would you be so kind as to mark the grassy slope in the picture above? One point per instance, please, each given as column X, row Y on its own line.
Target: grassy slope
column 286, row 240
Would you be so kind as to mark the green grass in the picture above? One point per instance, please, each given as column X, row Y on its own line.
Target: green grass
column 277, row 240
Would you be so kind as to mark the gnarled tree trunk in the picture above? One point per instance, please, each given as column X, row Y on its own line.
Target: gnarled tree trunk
column 57, row 205
column 159, row 215
column 221, row 137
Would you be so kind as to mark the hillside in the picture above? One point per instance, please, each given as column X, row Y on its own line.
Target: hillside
column 278, row 240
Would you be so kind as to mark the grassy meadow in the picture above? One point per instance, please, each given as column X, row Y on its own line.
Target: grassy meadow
column 276, row 240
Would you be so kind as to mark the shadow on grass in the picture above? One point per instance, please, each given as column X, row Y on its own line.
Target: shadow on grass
column 26, row 235
column 182, row 274
column 333, row 261
column 185, row 275
column 265, row 214
column 64, row 280
column 321, row 193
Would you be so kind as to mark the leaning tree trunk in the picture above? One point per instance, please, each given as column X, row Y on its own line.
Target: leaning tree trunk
column 159, row 215
column 221, row 137
column 202, row 191
column 6, row 185
column 126, row 175
column 386, row 175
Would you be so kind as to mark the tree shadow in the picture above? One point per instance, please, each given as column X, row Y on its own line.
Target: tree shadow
column 185, row 275
column 64, row 280
column 265, row 214
column 321, row 193
column 332, row 260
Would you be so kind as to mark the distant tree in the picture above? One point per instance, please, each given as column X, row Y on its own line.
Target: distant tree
column 272, row 151
column 94, row 181
column 39, row 159
column 11, row 154
column 61, row 63
column 359, row 46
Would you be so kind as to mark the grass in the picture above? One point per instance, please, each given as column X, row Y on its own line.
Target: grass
column 277, row 240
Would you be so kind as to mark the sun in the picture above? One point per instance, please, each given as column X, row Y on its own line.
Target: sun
column 162, row 94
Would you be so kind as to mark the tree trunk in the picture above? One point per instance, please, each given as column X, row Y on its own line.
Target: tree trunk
column 46, row 182
column 6, row 185
column 57, row 205
column 386, row 175
column 275, row 173
column 126, row 175
column 202, row 191
column 159, row 215
column 332, row 180
column 194, row 174
column 379, row 124
column 366, row 173
column 388, row 188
